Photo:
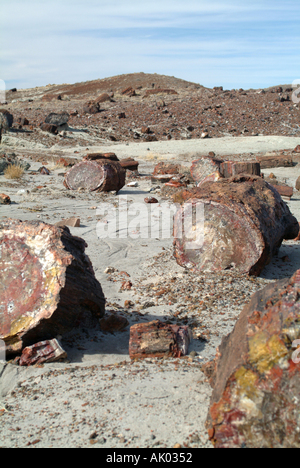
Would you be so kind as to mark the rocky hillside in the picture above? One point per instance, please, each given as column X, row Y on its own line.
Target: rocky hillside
column 150, row 107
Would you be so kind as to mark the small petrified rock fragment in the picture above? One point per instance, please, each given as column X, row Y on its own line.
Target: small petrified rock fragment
column 4, row 199
column 151, row 200
column 44, row 351
column 158, row 339
column 72, row 222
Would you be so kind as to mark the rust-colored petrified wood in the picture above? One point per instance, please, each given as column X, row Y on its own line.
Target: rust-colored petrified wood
column 44, row 351
column 245, row 222
column 97, row 156
column 284, row 190
column 4, row 199
column 47, row 283
column 158, row 339
column 256, row 379
column 100, row 175
column 275, row 161
column 204, row 167
column 232, row 168
column 165, row 168
column 130, row 164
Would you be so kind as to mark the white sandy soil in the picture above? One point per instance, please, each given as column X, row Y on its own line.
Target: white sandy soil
column 99, row 398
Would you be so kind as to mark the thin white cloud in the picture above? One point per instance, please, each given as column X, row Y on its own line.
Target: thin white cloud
column 52, row 41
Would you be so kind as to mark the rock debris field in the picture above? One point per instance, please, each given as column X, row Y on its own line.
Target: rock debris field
column 98, row 396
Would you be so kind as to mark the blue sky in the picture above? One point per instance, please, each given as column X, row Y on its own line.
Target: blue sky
column 215, row 43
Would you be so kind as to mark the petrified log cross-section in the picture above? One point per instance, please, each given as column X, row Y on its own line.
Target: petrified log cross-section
column 47, row 283
column 100, row 175
column 245, row 221
column 256, row 379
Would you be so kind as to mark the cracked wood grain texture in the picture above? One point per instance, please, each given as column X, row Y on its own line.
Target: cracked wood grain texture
column 245, row 222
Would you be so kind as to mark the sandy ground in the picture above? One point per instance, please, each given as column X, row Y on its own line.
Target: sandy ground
column 167, row 149
column 99, row 398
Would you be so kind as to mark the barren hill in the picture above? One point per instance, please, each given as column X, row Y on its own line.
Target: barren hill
column 154, row 108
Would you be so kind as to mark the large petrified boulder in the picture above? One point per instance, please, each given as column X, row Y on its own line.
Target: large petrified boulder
column 100, row 175
column 47, row 283
column 243, row 225
column 256, row 379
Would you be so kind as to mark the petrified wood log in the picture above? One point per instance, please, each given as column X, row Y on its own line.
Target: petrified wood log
column 275, row 161
column 44, row 351
column 245, row 222
column 100, row 175
column 204, row 167
column 47, row 283
column 255, row 401
column 130, row 164
column 232, row 168
column 158, row 339
column 96, row 156
column 284, row 190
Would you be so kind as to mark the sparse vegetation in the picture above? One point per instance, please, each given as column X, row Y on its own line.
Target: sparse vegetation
column 151, row 156
column 55, row 164
column 14, row 172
